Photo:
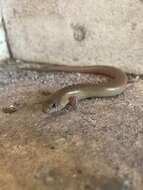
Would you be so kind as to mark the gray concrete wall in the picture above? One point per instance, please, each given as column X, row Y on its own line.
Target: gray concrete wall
column 77, row 32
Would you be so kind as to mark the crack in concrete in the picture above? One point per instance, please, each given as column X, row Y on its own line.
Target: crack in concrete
column 7, row 38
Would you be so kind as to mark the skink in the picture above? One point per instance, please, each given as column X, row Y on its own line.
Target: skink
column 71, row 94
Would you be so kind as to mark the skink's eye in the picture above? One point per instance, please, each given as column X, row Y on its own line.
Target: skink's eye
column 53, row 106
column 50, row 108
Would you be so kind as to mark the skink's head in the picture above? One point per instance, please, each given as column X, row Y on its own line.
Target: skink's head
column 53, row 104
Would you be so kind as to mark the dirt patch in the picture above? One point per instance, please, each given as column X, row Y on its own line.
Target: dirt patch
column 97, row 146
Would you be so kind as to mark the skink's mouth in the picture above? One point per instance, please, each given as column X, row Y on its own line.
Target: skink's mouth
column 54, row 110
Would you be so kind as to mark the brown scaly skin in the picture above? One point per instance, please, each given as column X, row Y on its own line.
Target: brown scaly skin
column 58, row 100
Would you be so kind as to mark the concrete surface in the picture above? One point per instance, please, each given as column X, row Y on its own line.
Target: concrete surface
column 76, row 32
column 98, row 146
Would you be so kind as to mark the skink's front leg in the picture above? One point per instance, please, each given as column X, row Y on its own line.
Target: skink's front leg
column 73, row 101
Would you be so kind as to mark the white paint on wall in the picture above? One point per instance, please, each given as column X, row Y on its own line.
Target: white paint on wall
column 4, row 54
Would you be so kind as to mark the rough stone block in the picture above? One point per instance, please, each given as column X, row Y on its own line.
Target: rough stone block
column 77, row 32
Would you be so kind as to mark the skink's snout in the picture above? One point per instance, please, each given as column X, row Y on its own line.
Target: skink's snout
column 51, row 107
column 53, row 104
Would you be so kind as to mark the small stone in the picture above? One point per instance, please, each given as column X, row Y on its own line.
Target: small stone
column 9, row 109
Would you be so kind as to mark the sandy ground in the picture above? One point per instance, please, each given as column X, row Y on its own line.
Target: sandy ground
column 98, row 146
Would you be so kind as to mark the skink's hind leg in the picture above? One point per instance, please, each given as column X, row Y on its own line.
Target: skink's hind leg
column 73, row 100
